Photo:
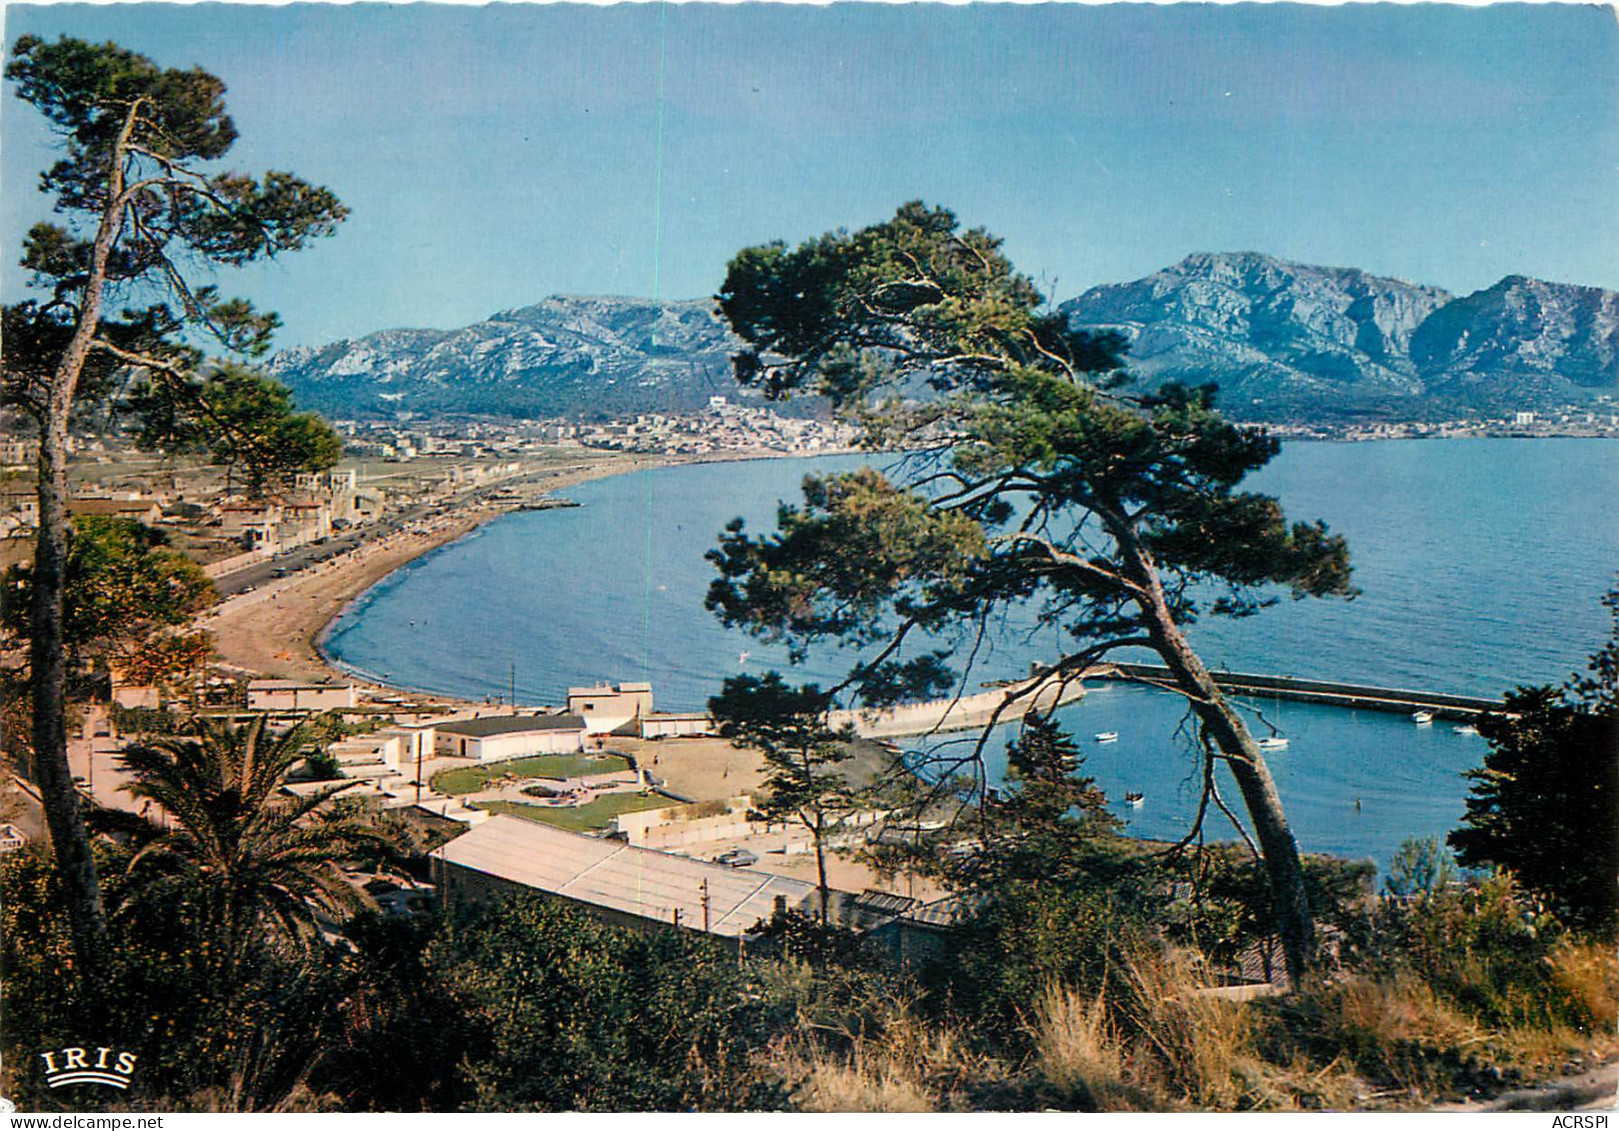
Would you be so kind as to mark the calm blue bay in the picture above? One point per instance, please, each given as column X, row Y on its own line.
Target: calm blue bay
column 1480, row 563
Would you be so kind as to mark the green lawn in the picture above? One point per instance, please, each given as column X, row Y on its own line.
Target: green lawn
column 582, row 818
column 470, row 779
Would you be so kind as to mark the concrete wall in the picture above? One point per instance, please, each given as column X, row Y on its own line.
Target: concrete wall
column 672, row 726
column 963, row 713
column 499, row 747
column 129, row 697
column 301, row 698
column 676, row 826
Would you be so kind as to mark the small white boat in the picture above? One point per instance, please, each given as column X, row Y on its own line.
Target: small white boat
column 1422, row 718
column 1135, row 799
column 1107, row 736
column 1276, row 742
column 1466, row 728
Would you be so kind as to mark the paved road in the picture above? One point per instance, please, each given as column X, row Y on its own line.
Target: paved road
column 293, row 561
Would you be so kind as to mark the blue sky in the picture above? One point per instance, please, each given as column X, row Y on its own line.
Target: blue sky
column 493, row 156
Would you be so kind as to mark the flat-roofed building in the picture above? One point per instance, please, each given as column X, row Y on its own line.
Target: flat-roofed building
column 298, row 695
column 305, row 520
column 23, row 502
column 148, row 511
column 622, row 884
column 607, row 708
column 674, row 724
column 406, row 747
column 497, row 737
column 253, row 520
column 399, row 748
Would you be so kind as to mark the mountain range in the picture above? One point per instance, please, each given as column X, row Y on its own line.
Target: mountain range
column 564, row 356
column 1292, row 342
column 1286, row 342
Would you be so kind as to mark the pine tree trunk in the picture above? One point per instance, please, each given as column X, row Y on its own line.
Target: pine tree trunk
column 47, row 657
column 1278, row 850
column 820, row 870
column 47, row 647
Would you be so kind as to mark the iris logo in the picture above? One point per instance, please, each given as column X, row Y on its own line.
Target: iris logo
column 107, row 1066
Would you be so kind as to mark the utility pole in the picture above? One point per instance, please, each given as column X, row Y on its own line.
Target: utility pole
column 704, row 890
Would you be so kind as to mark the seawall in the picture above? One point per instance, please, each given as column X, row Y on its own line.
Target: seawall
column 960, row 713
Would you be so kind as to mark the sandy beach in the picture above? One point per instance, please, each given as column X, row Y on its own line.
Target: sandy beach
column 275, row 630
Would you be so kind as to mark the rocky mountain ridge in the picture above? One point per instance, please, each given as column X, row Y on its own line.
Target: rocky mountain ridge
column 1295, row 342
column 564, row 356
column 1286, row 342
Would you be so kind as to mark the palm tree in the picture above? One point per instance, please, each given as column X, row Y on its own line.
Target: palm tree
column 250, row 857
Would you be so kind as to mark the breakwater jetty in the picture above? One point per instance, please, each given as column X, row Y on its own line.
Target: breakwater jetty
column 1394, row 699
column 967, row 712
column 963, row 712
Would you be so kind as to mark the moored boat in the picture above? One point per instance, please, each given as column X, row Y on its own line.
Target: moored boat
column 1275, row 742
column 1107, row 736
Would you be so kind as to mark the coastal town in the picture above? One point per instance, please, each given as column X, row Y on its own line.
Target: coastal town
column 522, row 798
column 395, row 466
column 1049, row 558
column 285, row 561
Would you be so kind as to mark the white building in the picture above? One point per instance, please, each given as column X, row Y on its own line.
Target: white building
column 399, row 748
column 406, row 747
column 606, row 708
column 499, row 737
column 619, row 883
column 305, row 520
column 672, row 724
column 16, row 452
column 295, row 695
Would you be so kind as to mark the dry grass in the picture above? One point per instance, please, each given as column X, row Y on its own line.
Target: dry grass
column 1162, row 1042
column 1157, row 1040
column 858, row 1082
column 1585, row 976
column 903, row 1064
column 1077, row 1053
column 1400, row 1033
column 1192, row 1045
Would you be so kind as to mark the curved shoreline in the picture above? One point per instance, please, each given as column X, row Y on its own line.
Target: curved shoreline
column 281, row 630
column 319, row 641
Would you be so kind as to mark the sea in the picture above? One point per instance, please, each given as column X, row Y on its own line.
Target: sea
column 1480, row 564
